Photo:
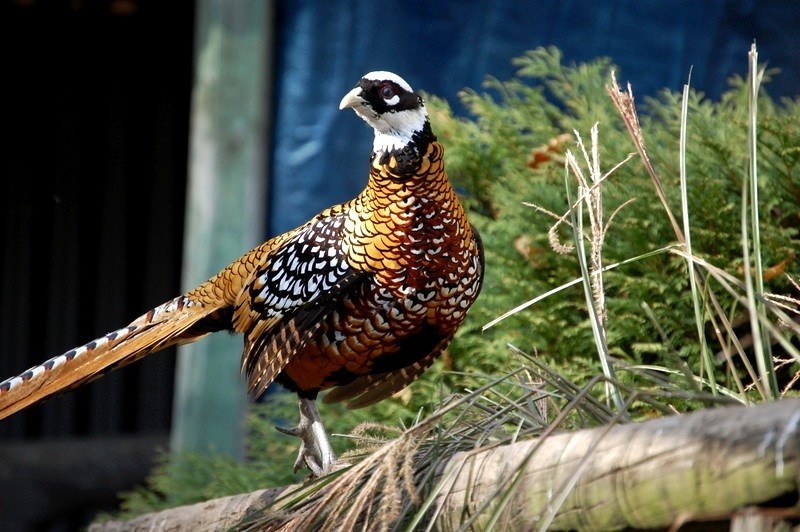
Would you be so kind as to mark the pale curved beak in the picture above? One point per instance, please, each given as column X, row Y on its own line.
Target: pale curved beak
column 352, row 99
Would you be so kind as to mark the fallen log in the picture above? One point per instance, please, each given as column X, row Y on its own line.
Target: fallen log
column 653, row 474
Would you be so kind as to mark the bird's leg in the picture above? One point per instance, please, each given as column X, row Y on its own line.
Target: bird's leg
column 315, row 450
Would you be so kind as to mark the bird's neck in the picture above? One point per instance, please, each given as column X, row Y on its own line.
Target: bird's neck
column 398, row 130
column 401, row 156
column 410, row 174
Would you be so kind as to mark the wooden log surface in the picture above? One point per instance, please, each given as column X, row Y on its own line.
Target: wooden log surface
column 642, row 475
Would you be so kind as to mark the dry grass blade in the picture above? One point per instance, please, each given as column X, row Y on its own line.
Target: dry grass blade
column 753, row 270
column 366, row 495
column 623, row 101
column 591, row 271
column 571, row 283
column 736, row 287
column 694, row 284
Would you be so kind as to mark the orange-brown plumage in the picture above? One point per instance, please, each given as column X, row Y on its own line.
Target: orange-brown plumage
column 361, row 299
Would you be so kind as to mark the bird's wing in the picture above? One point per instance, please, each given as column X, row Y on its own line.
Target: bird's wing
column 288, row 296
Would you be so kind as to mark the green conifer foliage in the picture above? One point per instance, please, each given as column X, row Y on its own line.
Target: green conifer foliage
column 510, row 153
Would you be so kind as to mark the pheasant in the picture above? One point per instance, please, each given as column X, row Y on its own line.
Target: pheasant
column 360, row 300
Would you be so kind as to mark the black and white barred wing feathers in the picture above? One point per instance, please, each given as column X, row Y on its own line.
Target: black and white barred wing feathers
column 289, row 296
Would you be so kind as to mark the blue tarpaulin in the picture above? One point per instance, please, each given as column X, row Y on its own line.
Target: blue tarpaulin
column 320, row 154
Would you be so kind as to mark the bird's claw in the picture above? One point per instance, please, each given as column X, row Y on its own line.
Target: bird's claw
column 315, row 452
column 294, row 431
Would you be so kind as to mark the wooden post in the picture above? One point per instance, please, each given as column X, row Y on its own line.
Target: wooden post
column 225, row 208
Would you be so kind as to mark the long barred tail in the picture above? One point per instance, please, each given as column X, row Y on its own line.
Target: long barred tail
column 104, row 342
column 168, row 324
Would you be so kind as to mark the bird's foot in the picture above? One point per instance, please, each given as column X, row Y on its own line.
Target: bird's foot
column 316, row 452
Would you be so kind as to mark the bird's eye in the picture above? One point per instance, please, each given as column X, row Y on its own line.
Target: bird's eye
column 387, row 91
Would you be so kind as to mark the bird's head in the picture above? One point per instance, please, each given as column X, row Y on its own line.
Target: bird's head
column 386, row 102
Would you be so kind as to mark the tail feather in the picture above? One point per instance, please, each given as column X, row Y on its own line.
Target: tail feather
column 161, row 327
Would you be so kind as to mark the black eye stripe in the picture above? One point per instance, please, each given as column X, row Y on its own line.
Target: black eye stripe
column 372, row 92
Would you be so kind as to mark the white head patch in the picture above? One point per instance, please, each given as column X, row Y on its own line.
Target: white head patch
column 384, row 75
